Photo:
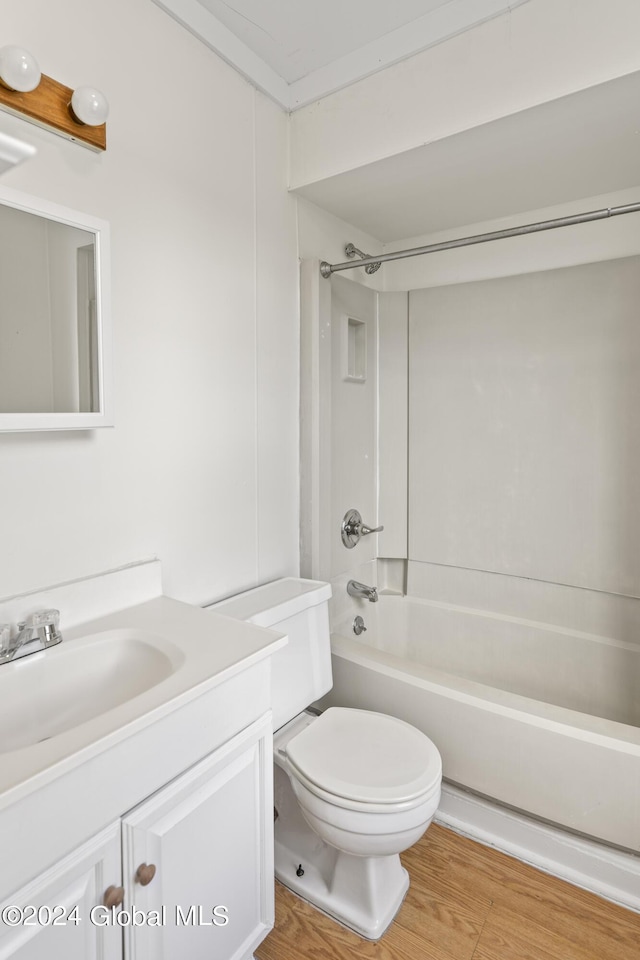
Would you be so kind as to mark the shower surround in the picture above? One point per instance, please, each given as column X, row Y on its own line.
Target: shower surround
column 505, row 472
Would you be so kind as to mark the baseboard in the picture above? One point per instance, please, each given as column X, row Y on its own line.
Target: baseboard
column 610, row 873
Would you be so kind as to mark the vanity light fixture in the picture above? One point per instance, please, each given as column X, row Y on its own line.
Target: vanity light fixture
column 75, row 114
column 19, row 70
column 89, row 106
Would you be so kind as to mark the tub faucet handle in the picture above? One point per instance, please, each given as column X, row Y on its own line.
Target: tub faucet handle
column 353, row 528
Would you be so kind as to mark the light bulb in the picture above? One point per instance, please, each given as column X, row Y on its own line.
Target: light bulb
column 18, row 69
column 89, row 106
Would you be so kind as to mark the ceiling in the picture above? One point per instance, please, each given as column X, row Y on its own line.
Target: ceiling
column 578, row 146
column 298, row 51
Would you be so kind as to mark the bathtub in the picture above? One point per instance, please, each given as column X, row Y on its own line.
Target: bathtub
column 542, row 719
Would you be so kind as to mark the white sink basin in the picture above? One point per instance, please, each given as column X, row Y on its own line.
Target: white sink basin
column 48, row 693
column 109, row 682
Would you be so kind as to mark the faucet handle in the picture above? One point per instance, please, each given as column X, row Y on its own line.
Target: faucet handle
column 44, row 618
column 364, row 529
column 353, row 528
column 46, row 623
column 5, row 636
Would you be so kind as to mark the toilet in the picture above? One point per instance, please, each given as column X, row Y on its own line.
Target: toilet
column 352, row 788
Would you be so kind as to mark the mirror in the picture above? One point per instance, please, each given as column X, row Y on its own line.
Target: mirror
column 54, row 317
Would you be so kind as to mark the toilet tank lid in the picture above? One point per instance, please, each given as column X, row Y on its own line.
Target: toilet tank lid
column 274, row 602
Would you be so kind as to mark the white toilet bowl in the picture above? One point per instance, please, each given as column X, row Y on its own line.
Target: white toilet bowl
column 353, row 790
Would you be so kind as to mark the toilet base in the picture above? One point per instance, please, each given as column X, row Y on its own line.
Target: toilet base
column 363, row 893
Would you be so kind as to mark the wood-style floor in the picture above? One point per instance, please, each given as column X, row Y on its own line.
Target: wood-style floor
column 466, row 902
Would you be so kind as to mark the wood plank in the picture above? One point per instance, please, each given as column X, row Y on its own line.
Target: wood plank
column 466, row 902
column 532, row 895
column 508, row 936
column 303, row 933
column 431, row 864
column 453, row 921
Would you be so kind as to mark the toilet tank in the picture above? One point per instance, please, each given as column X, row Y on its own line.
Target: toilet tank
column 300, row 671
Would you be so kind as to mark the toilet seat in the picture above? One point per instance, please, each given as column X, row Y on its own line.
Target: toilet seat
column 365, row 761
column 300, row 783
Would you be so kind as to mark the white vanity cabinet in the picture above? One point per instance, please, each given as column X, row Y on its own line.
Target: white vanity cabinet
column 173, row 777
column 199, row 855
column 51, row 914
column 195, row 861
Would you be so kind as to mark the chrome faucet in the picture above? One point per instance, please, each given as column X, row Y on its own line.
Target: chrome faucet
column 39, row 631
column 356, row 589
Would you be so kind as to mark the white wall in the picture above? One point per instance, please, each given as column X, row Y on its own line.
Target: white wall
column 550, row 535
column 605, row 561
column 538, row 52
column 339, row 449
column 524, row 454
column 354, row 419
column 201, row 468
column 393, row 423
column 565, row 247
column 323, row 236
column 331, row 411
column 604, row 240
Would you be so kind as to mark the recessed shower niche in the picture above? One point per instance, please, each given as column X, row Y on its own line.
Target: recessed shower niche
column 354, row 349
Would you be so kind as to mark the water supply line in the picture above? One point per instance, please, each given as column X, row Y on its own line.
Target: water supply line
column 326, row 269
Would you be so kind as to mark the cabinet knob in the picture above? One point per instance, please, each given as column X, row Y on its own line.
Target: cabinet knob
column 113, row 896
column 145, row 873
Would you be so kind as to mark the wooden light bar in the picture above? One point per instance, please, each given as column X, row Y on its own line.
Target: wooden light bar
column 49, row 106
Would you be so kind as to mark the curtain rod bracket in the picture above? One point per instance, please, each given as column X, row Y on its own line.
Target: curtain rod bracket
column 352, row 251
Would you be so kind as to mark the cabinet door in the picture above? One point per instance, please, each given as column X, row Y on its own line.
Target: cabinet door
column 48, row 925
column 204, row 846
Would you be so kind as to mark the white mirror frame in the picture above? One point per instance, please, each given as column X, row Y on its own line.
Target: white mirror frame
column 100, row 229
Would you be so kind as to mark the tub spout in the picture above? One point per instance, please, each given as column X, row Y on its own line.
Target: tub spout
column 356, row 589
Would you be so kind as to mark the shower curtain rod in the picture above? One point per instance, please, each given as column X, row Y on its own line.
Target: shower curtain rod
column 326, row 269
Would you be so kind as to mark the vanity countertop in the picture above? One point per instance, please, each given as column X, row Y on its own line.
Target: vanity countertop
column 202, row 650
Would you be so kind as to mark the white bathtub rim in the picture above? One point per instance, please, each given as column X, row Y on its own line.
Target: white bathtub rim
column 613, row 735
column 393, row 599
column 606, row 871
